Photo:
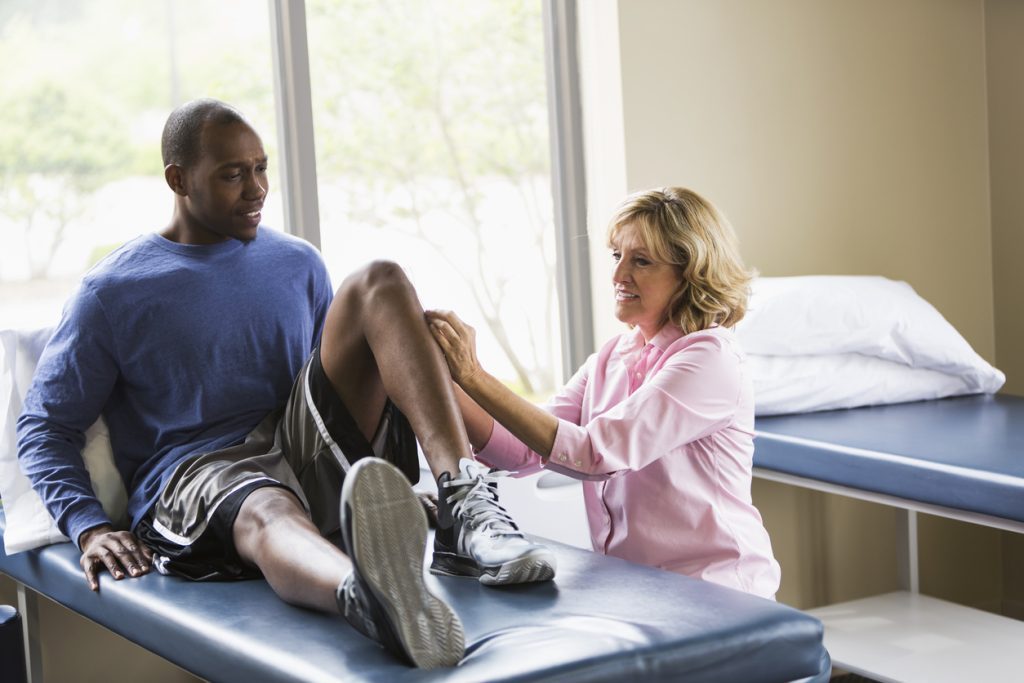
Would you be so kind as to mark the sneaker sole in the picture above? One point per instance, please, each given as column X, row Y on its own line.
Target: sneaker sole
column 388, row 541
column 538, row 565
column 534, row 567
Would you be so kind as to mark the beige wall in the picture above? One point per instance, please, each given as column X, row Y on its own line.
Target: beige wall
column 1005, row 62
column 840, row 138
column 71, row 643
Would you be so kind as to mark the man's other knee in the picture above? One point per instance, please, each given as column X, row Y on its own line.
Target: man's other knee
column 265, row 507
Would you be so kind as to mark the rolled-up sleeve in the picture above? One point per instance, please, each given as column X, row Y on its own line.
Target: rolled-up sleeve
column 506, row 452
column 692, row 395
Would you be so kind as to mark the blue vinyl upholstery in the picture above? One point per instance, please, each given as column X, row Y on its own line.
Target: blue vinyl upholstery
column 965, row 453
column 602, row 619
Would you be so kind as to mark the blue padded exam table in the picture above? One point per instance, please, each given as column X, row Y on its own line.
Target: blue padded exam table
column 602, row 619
column 960, row 458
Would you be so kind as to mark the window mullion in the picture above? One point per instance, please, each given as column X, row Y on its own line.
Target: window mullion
column 568, row 184
column 293, row 100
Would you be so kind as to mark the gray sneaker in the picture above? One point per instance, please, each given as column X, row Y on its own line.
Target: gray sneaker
column 384, row 531
column 476, row 537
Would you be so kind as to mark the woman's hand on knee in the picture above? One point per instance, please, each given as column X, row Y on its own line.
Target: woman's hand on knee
column 458, row 343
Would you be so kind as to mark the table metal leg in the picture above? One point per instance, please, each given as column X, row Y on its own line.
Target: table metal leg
column 28, row 605
column 906, row 551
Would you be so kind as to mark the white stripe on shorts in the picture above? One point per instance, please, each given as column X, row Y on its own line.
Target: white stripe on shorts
column 319, row 421
column 185, row 541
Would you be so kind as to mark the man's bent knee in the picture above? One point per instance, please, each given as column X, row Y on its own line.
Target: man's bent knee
column 376, row 278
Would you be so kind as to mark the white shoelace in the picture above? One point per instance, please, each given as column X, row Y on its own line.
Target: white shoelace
column 477, row 501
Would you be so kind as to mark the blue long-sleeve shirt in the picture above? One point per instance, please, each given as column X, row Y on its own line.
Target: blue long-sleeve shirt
column 183, row 349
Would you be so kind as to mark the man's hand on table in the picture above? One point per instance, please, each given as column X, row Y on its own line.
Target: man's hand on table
column 118, row 551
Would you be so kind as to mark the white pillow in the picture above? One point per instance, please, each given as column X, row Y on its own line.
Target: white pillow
column 822, row 342
column 800, row 384
column 29, row 525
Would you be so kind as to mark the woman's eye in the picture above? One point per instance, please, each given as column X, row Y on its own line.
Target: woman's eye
column 616, row 256
column 642, row 262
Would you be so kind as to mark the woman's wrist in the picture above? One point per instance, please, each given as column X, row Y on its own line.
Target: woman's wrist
column 473, row 382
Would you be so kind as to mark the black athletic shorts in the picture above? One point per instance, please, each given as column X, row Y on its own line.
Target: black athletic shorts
column 305, row 447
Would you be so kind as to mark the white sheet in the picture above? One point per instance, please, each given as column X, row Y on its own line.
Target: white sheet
column 823, row 342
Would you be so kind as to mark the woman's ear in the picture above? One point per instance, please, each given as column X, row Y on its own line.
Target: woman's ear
column 175, row 177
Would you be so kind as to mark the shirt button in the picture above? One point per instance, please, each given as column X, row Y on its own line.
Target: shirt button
column 578, row 463
column 563, row 457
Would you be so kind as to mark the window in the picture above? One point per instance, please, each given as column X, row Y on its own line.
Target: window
column 431, row 128
column 87, row 87
column 431, row 131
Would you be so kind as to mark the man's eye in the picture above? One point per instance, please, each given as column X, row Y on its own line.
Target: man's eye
column 261, row 169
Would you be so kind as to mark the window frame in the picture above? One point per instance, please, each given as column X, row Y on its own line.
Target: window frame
column 297, row 165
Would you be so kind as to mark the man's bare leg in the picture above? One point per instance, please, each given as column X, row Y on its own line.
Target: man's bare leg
column 273, row 533
column 376, row 345
column 379, row 588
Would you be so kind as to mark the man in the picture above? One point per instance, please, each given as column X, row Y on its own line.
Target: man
column 242, row 398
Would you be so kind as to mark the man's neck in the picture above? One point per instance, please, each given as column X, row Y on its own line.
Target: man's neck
column 183, row 231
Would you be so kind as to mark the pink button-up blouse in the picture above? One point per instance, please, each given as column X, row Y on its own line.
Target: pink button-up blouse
column 662, row 434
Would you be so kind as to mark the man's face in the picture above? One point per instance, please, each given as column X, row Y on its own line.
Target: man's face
column 227, row 185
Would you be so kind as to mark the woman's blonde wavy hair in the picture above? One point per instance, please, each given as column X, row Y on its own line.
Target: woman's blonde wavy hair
column 680, row 227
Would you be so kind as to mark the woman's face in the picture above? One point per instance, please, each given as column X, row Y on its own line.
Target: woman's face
column 643, row 286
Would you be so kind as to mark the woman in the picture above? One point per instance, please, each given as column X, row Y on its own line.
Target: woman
column 659, row 422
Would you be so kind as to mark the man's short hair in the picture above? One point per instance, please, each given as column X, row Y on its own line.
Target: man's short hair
column 180, row 142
